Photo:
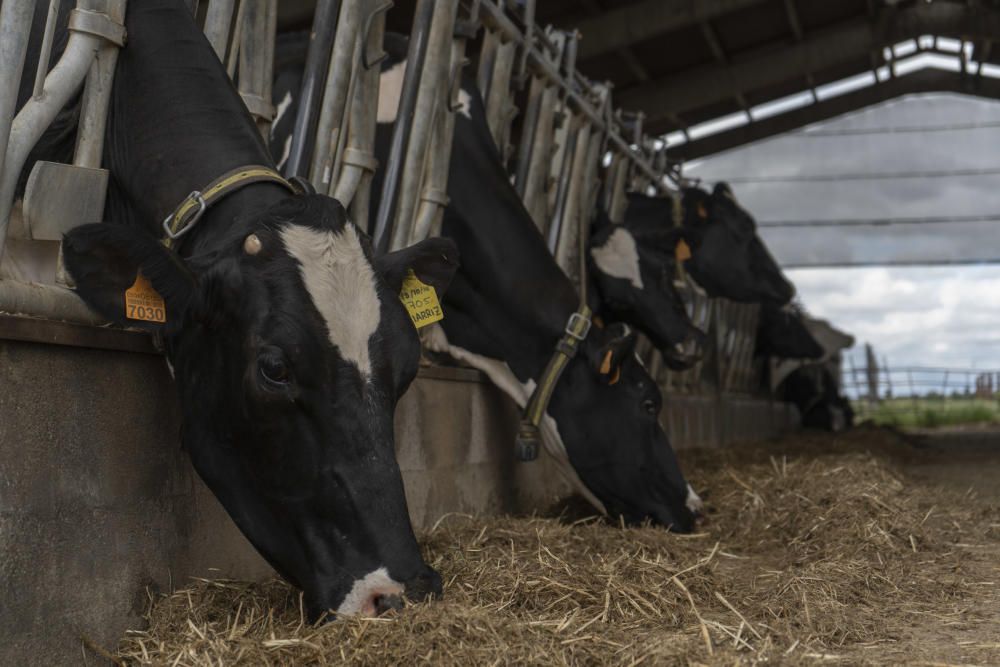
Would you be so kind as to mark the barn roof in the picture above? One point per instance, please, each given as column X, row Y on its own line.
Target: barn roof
column 715, row 74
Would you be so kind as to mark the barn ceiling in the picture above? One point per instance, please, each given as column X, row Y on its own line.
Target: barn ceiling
column 686, row 64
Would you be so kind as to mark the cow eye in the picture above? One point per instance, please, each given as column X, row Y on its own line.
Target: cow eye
column 273, row 368
column 649, row 406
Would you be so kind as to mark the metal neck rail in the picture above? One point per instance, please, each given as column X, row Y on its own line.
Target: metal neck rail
column 577, row 90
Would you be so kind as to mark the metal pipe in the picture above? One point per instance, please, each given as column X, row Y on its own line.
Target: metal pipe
column 15, row 27
column 236, row 40
column 310, row 99
column 218, row 21
column 528, row 129
column 495, row 18
column 333, row 114
column 536, row 182
column 256, row 59
column 428, row 103
column 49, row 302
column 564, row 162
column 96, row 98
column 46, row 52
column 359, row 156
column 415, row 57
column 38, row 113
column 435, row 195
column 498, row 99
column 487, row 59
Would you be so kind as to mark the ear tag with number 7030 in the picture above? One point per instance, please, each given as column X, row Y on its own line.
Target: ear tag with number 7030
column 144, row 303
column 420, row 300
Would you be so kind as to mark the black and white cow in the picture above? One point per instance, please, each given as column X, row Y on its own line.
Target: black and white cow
column 728, row 258
column 287, row 337
column 631, row 269
column 782, row 333
column 509, row 305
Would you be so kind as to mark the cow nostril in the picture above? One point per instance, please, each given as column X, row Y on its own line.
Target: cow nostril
column 384, row 603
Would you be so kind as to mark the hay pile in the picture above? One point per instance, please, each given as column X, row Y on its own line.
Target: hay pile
column 807, row 557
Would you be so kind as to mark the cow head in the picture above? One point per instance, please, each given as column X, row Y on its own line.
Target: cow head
column 782, row 333
column 728, row 258
column 290, row 348
column 633, row 268
column 607, row 408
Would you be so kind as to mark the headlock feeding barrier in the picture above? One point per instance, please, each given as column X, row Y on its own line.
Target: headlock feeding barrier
column 568, row 152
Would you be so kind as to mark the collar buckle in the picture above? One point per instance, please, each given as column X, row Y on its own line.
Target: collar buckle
column 578, row 326
column 168, row 222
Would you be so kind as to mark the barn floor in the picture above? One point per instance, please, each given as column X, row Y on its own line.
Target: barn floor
column 866, row 548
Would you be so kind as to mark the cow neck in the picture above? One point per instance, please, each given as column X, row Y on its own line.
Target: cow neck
column 528, row 297
column 177, row 123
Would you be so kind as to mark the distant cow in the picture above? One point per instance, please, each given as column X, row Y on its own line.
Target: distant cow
column 782, row 333
column 728, row 258
column 508, row 308
column 287, row 337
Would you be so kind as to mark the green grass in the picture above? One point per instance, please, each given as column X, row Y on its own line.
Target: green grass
column 931, row 412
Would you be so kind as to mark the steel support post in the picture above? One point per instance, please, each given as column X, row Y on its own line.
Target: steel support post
column 536, row 182
column 218, row 21
column 416, row 54
column 256, row 59
column 333, row 118
column 498, row 100
column 15, row 27
column 324, row 27
column 430, row 101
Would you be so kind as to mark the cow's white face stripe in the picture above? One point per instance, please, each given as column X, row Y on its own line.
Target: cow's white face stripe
column 341, row 283
column 390, row 84
column 360, row 599
column 286, row 150
column 619, row 257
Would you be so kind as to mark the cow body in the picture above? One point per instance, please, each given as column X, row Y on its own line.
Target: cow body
column 287, row 338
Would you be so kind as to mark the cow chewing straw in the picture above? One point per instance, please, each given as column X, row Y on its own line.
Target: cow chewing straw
column 818, row 549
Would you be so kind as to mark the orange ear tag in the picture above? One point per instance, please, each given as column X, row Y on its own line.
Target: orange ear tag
column 606, row 363
column 682, row 251
column 702, row 212
column 617, row 376
column 144, row 303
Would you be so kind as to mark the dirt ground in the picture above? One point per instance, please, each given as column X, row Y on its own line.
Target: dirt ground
column 872, row 547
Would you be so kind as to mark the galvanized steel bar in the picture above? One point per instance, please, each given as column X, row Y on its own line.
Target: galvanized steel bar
column 498, row 100
column 46, row 52
column 96, row 98
column 429, row 102
column 15, row 26
column 528, row 130
column 333, row 114
column 218, row 21
column 416, row 54
column 256, row 59
column 310, row 98
column 38, row 113
column 495, row 18
column 536, row 182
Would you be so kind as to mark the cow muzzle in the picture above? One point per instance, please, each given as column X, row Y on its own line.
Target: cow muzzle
column 687, row 353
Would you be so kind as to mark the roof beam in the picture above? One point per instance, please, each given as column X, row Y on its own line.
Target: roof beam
column 638, row 22
column 921, row 81
column 715, row 83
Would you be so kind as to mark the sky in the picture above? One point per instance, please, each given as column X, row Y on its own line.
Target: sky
column 929, row 316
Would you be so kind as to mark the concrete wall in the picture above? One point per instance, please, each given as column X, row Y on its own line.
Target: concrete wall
column 98, row 502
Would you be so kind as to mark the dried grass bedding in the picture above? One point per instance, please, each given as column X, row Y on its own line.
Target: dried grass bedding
column 818, row 550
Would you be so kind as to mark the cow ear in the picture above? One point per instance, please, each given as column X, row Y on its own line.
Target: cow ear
column 107, row 260
column 433, row 261
column 618, row 347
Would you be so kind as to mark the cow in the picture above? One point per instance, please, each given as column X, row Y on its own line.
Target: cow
column 728, row 258
column 508, row 307
column 782, row 333
column 631, row 266
column 286, row 335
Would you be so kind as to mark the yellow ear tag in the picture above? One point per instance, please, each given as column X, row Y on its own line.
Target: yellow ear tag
column 142, row 302
column 420, row 300
column 682, row 251
column 606, row 363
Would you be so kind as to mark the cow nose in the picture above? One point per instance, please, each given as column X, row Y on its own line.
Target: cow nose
column 389, row 602
column 425, row 585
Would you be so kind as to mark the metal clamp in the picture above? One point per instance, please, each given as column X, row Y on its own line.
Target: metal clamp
column 575, row 320
column 359, row 158
column 97, row 23
column 258, row 107
column 370, row 60
column 196, row 196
